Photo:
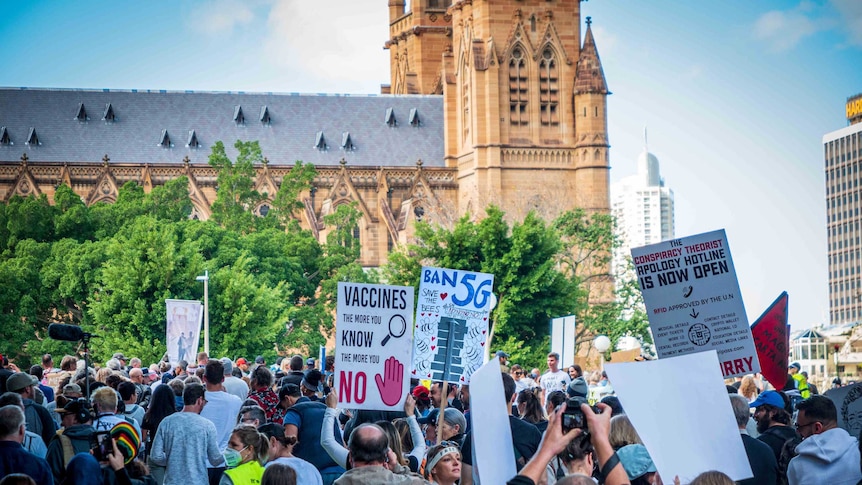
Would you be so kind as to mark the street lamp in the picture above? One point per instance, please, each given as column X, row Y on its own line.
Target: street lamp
column 206, row 279
column 602, row 343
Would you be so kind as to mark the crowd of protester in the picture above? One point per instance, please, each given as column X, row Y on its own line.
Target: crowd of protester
column 225, row 422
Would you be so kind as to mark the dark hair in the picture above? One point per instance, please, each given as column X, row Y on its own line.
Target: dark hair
column 127, row 390
column 162, row 405
column 577, row 369
column 289, row 389
column 555, row 398
column 17, row 479
column 577, row 449
column 532, row 407
column 819, row 408
column 257, row 413
column 296, row 362
column 508, row 387
column 261, row 376
column 779, row 415
column 330, row 363
column 214, row 372
column 113, row 381
column 368, row 449
column 192, row 392
column 614, row 403
column 11, row 399
column 278, row 474
column 36, row 371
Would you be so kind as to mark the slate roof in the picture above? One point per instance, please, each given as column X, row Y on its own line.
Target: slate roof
column 144, row 119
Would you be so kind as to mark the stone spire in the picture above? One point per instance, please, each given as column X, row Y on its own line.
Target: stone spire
column 590, row 77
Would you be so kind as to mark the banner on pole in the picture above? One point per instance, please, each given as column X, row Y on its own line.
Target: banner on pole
column 183, row 329
column 373, row 342
column 693, row 300
column 451, row 327
column 563, row 339
column 770, row 333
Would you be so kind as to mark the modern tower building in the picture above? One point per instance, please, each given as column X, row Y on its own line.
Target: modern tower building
column 842, row 154
column 643, row 208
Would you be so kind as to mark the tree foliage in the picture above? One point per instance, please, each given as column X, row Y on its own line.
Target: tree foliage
column 541, row 271
column 110, row 267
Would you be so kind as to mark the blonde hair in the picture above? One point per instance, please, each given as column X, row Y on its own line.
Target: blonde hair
column 748, row 388
column 106, row 399
column 623, row 432
column 249, row 436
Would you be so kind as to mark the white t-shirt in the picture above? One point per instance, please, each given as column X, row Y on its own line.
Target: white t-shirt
column 221, row 408
column 236, row 386
column 554, row 381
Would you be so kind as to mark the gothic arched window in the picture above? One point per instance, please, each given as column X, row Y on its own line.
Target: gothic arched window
column 518, row 87
column 549, row 89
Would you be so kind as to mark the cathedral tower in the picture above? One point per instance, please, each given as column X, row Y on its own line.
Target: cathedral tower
column 417, row 40
column 525, row 108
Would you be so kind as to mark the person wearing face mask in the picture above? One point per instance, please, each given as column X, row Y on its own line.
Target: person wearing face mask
column 246, row 452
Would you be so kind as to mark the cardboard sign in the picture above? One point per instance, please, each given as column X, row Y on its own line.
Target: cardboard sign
column 451, row 324
column 563, row 339
column 848, row 401
column 372, row 345
column 770, row 333
column 491, row 435
column 690, row 412
column 183, row 329
column 693, row 301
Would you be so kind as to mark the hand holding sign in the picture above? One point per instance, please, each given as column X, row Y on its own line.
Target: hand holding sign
column 390, row 385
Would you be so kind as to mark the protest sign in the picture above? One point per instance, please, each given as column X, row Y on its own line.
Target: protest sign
column 848, row 401
column 492, row 440
column 687, row 414
column 770, row 333
column 372, row 345
column 563, row 339
column 693, row 300
column 451, row 324
column 183, row 329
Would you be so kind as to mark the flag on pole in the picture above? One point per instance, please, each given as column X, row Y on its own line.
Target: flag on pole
column 771, row 334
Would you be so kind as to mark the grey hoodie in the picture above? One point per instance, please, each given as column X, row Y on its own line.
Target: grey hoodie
column 831, row 457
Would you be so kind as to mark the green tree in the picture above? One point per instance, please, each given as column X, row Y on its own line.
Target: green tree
column 235, row 196
column 286, row 203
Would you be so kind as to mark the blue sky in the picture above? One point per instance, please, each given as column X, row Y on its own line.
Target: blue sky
column 736, row 94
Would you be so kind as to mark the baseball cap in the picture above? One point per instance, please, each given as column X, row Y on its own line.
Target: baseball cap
column 310, row 361
column 259, row 359
column 421, row 393
column 636, row 460
column 73, row 407
column 795, row 365
column 119, row 356
column 227, row 364
column 20, row 380
column 501, row 353
column 241, row 361
column 71, row 389
column 431, row 418
column 772, row 398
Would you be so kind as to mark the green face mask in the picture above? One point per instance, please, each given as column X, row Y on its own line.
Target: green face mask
column 232, row 457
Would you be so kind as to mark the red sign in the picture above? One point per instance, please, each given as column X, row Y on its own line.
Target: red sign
column 771, row 334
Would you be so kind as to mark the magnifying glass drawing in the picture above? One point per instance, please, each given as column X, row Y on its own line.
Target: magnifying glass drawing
column 397, row 327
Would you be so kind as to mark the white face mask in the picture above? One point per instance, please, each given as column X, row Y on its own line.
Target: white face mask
column 232, row 457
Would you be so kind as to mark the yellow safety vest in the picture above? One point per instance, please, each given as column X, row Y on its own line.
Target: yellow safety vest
column 802, row 385
column 248, row 473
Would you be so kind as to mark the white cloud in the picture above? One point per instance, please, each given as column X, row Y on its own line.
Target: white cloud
column 783, row 30
column 220, row 17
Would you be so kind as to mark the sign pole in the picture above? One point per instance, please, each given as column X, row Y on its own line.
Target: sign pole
column 444, row 388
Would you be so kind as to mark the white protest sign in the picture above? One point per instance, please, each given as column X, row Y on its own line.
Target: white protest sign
column 490, row 430
column 680, row 409
column 183, row 329
column 372, row 345
column 563, row 339
column 451, row 324
column 693, row 301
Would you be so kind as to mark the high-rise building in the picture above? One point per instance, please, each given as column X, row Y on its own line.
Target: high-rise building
column 842, row 160
column 643, row 208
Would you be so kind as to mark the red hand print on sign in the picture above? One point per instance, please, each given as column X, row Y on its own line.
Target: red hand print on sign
column 390, row 384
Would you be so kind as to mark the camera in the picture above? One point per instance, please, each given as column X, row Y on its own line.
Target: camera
column 100, row 443
column 573, row 417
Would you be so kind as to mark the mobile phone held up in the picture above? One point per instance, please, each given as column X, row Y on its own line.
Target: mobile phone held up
column 100, row 444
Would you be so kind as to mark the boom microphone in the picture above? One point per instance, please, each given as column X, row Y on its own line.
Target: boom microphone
column 61, row 331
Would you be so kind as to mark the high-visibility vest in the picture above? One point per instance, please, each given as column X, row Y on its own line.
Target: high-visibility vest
column 248, row 473
column 802, row 385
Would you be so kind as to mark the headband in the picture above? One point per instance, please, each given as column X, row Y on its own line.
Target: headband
column 439, row 455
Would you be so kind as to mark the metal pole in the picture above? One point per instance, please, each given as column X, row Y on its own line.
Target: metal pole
column 206, row 312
